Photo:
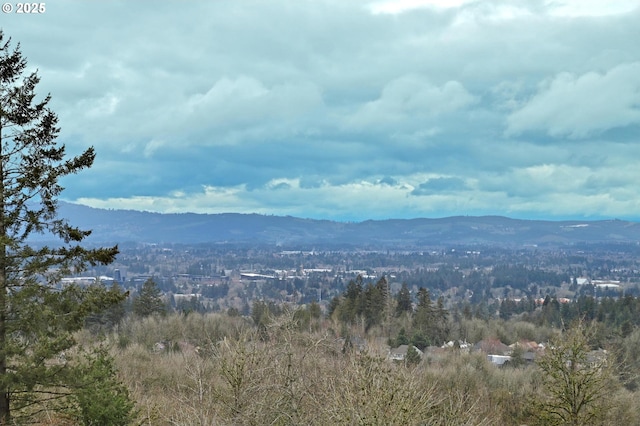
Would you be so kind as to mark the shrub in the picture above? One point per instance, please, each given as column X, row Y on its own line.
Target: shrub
column 100, row 398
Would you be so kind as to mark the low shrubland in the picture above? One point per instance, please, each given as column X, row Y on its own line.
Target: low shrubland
column 214, row 369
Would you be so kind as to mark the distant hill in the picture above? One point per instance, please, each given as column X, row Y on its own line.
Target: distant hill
column 123, row 226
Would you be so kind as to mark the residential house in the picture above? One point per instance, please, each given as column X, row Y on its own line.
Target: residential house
column 400, row 353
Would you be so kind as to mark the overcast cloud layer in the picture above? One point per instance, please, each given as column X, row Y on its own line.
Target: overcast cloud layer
column 347, row 110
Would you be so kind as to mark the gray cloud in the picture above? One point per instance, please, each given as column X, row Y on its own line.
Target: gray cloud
column 318, row 109
column 440, row 184
column 578, row 106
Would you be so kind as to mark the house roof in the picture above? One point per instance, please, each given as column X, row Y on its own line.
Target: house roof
column 499, row 360
column 492, row 346
column 402, row 351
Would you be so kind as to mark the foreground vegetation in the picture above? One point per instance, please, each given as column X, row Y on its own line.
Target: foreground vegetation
column 216, row 369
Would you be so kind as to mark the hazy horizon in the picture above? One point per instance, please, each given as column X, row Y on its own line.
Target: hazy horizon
column 557, row 219
column 346, row 111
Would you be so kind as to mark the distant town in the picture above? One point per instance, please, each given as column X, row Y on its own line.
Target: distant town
column 218, row 278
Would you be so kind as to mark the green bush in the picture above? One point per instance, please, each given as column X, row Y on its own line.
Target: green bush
column 100, row 398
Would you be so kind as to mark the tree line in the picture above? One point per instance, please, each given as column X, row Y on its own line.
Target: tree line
column 371, row 305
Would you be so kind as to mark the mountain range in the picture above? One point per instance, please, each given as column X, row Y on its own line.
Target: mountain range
column 129, row 226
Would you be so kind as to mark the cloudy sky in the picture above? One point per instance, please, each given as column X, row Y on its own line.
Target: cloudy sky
column 347, row 110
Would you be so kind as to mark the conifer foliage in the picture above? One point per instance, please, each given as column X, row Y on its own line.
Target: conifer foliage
column 149, row 301
column 38, row 316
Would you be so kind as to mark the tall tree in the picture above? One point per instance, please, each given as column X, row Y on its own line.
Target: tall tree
column 577, row 382
column 428, row 321
column 37, row 316
column 423, row 318
column 353, row 303
column 374, row 306
column 149, row 300
column 111, row 317
column 403, row 299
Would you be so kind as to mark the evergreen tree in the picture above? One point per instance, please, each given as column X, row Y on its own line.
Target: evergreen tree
column 413, row 357
column 116, row 313
column 401, row 339
column 441, row 326
column 385, row 293
column 420, row 340
column 374, row 306
column 353, row 303
column 429, row 322
column 37, row 318
column 99, row 398
column 403, row 299
column 149, row 300
column 383, row 287
column 423, row 318
column 112, row 316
